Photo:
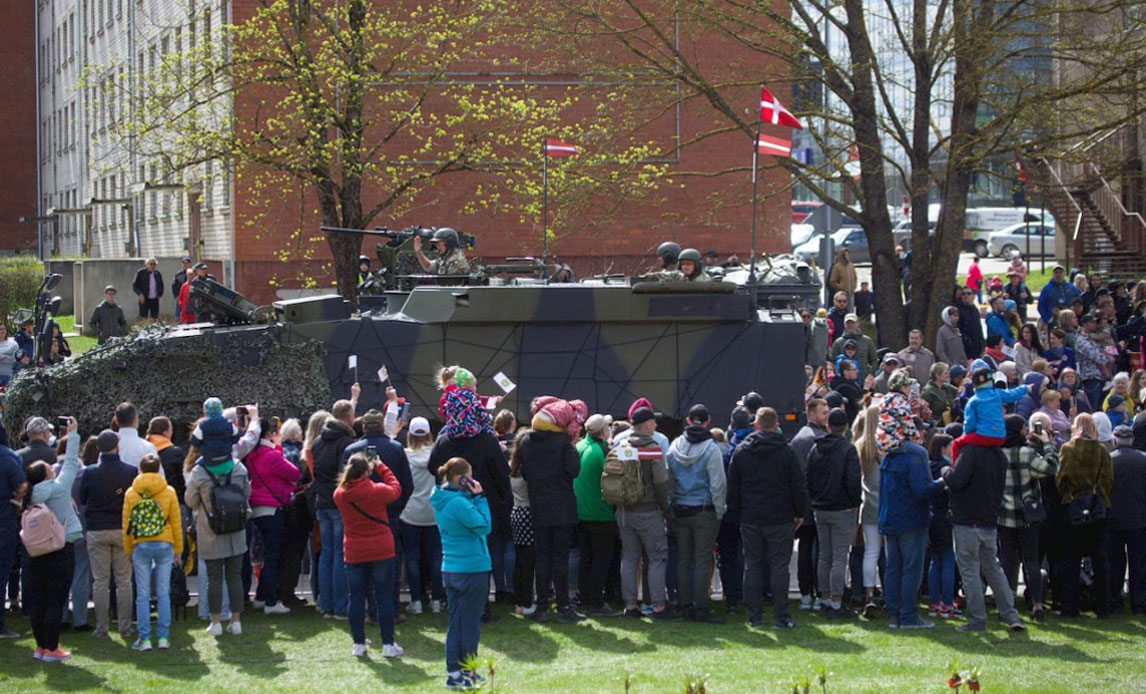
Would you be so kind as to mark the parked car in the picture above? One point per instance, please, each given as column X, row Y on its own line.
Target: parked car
column 801, row 234
column 802, row 209
column 853, row 237
column 1005, row 242
column 981, row 222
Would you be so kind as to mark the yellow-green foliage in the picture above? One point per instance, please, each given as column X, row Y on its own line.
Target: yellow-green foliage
column 19, row 278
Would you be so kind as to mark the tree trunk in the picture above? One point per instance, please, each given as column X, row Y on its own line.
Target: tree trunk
column 874, row 217
column 922, row 284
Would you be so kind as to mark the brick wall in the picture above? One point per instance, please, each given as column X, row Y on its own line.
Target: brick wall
column 18, row 123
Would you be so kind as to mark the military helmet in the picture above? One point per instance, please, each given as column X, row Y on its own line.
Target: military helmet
column 448, row 235
column 689, row 254
column 668, row 251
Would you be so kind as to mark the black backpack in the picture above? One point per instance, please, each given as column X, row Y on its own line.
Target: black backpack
column 228, row 512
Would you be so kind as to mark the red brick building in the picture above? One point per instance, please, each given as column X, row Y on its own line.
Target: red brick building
column 18, row 125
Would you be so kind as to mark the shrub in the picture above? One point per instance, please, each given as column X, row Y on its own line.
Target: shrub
column 19, row 279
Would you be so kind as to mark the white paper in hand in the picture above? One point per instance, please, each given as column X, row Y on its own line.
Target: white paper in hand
column 383, row 374
column 352, row 361
column 503, row 382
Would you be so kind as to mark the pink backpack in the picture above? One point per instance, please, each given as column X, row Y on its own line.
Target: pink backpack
column 41, row 532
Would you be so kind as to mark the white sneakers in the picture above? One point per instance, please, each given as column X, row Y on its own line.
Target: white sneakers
column 414, row 607
column 277, row 608
column 258, row 604
column 436, row 606
column 389, row 650
column 214, row 629
column 235, row 628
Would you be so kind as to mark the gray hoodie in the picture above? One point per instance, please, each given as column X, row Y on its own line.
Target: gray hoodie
column 697, row 470
column 949, row 342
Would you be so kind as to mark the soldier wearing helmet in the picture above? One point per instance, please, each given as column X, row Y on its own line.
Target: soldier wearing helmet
column 450, row 261
column 668, row 251
column 363, row 268
column 689, row 264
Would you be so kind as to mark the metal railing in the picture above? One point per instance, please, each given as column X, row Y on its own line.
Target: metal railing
column 1129, row 227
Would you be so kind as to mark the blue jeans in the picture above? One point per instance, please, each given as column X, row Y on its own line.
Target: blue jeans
column 466, row 595
column 502, row 555
column 145, row 556
column 941, row 579
column 331, row 570
column 903, row 574
column 81, row 585
column 273, row 530
column 9, row 555
column 378, row 578
column 416, row 539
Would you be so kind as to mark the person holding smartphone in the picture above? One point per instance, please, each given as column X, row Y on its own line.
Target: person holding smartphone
column 463, row 517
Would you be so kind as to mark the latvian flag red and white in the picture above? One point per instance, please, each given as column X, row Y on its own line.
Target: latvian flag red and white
column 559, row 148
column 773, row 146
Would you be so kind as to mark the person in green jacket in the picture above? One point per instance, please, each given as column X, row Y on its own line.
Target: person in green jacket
column 596, row 526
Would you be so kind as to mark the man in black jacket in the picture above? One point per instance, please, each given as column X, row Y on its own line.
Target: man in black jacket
column 766, row 487
column 976, row 485
column 834, row 476
column 1126, row 520
column 802, row 442
column 970, row 324
column 101, row 494
column 148, row 288
column 38, row 432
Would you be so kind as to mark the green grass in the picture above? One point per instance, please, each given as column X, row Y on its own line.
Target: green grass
column 78, row 344
column 303, row 653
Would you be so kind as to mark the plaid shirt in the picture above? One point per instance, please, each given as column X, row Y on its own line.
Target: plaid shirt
column 1029, row 465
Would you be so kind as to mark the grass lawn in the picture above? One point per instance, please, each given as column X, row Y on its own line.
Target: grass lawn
column 302, row 653
column 78, row 344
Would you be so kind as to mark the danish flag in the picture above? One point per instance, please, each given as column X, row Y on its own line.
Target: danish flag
column 772, row 111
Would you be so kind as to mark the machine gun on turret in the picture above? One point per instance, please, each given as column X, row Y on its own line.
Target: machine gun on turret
column 396, row 257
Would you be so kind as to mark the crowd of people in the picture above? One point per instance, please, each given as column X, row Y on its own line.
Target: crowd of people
column 1022, row 446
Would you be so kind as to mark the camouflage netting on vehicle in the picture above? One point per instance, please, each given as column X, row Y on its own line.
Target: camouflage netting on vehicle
column 167, row 372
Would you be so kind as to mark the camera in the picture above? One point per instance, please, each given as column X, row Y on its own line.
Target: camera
column 1038, row 428
column 371, row 452
column 62, row 423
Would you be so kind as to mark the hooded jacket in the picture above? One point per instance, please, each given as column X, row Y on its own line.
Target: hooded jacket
column 802, row 444
column 842, row 277
column 272, row 476
column 484, row 454
column 463, row 522
column 1027, row 405
column 151, row 485
column 866, row 357
column 906, row 490
column 327, row 455
column 1054, row 297
column 765, row 483
column 364, row 539
column 697, row 471
column 549, row 464
column 171, row 462
column 107, row 321
column 833, row 473
column 949, row 347
column 984, row 412
column 976, row 485
column 997, row 325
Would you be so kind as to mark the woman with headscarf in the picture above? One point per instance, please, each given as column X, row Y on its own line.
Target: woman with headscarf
column 949, row 341
column 468, row 433
column 1085, row 476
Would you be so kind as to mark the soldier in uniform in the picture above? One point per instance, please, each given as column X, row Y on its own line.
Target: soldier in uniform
column 690, row 267
column 668, row 251
column 451, row 260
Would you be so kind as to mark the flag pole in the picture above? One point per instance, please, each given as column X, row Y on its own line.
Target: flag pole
column 544, row 202
column 752, row 250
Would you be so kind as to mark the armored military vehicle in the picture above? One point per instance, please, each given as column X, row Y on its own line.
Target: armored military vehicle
column 604, row 341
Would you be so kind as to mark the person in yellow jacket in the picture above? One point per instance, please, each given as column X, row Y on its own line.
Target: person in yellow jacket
column 153, row 538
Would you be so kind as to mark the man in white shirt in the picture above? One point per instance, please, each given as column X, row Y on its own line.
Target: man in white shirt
column 132, row 447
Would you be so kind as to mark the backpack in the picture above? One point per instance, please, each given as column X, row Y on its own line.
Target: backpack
column 41, row 532
column 145, row 518
column 622, row 482
column 228, row 513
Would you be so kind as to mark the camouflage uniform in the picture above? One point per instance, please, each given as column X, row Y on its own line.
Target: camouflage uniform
column 701, row 276
column 455, row 263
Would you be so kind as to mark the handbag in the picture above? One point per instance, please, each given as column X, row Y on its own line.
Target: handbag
column 1032, row 510
column 1085, row 509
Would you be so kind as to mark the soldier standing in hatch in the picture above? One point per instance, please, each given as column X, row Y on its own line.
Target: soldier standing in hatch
column 451, row 260
column 107, row 319
column 363, row 268
column 669, row 252
column 689, row 264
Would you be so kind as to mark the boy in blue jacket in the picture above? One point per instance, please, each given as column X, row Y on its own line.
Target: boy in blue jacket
column 983, row 423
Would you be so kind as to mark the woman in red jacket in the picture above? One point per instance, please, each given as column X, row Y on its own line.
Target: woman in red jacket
column 368, row 546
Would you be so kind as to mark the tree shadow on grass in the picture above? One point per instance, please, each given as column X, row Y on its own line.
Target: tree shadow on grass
column 599, row 636
column 998, row 643
column 68, row 677
column 251, row 653
column 527, row 642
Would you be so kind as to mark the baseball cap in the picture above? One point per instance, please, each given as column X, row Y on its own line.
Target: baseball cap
column 892, row 358
column 109, row 288
column 107, row 441
column 1123, row 433
column 900, row 378
column 850, row 343
column 372, row 420
column 1087, row 318
column 642, row 415
column 185, row 259
column 837, row 418
column 419, row 426
column 598, row 423
column 752, row 401
column 957, row 371
column 200, row 266
column 1115, row 400
column 851, row 318
column 740, row 418
column 38, row 425
column 698, row 414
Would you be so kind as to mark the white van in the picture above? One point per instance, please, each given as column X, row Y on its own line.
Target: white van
column 981, row 221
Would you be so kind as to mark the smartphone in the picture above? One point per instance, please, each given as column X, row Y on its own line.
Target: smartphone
column 1038, row 428
column 404, row 413
column 241, row 411
column 62, row 423
column 371, row 452
column 466, row 482
column 276, row 423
